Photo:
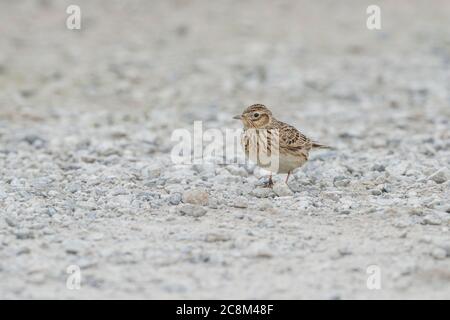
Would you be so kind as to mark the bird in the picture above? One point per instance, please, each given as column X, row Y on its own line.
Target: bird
column 272, row 144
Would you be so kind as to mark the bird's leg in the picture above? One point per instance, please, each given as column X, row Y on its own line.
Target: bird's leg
column 287, row 178
column 270, row 181
column 269, row 184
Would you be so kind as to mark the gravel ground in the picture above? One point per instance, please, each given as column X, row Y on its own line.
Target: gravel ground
column 86, row 178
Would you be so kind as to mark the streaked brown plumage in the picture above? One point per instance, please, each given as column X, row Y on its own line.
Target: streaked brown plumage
column 273, row 144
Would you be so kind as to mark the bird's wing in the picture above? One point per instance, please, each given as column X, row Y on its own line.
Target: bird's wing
column 293, row 139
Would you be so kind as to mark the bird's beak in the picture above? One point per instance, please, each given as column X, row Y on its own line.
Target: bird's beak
column 238, row 117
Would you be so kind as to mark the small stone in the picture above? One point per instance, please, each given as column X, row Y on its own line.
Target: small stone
column 431, row 220
column 264, row 204
column 73, row 246
column 401, row 223
column 216, row 237
column 344, row 251
column 239, row 216
column 24, row 250
column 227, row 179
column 74, row 188
column 341, row 252
column 213, row 203
column 266, row 223
column 51, row 211
column 439, row 253
column 119, row 191
column 3, row 195
column 36, row 278
column 263, row 192
column 237, row 171
column 34, row 139
column 192, row 210
column 446, row 247
column 204, row 167
column 196, row 196
column 96, row 236
column 23, row 234
column 341, row 181
column 240, row 202
column 10, row 221
column 440, row 176
column 88, row 159
column 426, row 239
column 250, row 167
column 376, row 192
column 151, row 173
column 444, row 208
column 416, row 212
column 282, row 190
column 331, row 195
column 378, row 167
column 399, row 168
column 403, row 235
column 106, row 151
column 175, row 198
column 260, row 250
column 386, row 188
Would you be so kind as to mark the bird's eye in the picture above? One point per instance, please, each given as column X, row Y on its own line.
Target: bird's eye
column 256, row 115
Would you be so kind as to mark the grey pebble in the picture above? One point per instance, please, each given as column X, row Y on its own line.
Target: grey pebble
column 217, row 237
column 378, row 167
column 10, row 221
column 281, row 189
column 119, row 191
column 237, row 171
column 260, row 250
column 263, row 192
column 73, row 246
column 74, row 188
column 23, row 250
column 438, row 253
column 23, row 234
column 431, row 219
column 175, row 198
column 264, row 204
column 192, row 210
column 376, row 192
column 341, row 181
column 35, row 140
column 51, row 211
column 240, row 202
column 440, row 176
column 3, row 195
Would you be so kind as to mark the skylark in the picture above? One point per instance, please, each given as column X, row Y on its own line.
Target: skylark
column 272, row 144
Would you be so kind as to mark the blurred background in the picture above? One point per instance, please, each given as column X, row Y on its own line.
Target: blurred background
column 190, row 60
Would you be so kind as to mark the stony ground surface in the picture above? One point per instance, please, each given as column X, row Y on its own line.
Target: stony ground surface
column 86, row 177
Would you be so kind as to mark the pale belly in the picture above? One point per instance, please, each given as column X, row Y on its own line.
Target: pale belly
column 271, row 158
column 289, row 162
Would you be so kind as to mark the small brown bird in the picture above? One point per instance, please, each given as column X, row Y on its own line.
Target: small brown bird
column 272, row 144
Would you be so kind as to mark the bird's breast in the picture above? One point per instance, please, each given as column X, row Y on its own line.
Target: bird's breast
column 261, row 147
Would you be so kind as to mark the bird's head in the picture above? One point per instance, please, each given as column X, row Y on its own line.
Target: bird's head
column 256, row 116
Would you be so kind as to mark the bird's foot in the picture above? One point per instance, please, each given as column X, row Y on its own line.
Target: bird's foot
column 265, row 182
column 268, row 184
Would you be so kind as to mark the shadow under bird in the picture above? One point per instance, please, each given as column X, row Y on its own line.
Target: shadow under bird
column 274, row 145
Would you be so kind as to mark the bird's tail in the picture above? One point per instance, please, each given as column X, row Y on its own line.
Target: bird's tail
column 317, row 145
